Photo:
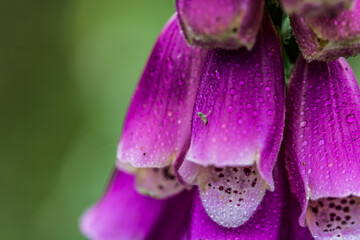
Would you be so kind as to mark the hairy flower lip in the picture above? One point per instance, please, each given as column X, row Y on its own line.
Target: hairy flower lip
column 264, row 224
column 229, row 24
column 322, row 137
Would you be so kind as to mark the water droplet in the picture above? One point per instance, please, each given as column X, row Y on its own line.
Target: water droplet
column 303, row 124
column 232, row 91
column 350, row 118
column 230, row 109
column 260, row 100
column 321, row 142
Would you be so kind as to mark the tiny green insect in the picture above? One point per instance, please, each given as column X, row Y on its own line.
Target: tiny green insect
column 203, row 118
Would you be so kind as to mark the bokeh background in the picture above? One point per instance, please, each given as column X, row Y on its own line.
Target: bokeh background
column 67, row 72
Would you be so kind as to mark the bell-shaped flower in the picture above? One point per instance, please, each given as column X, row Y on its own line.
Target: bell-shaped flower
column 313, row 8
column 157, row 128
column 327, row 38
column 228, row 24
column 237, row 128
column 322, row 143
column 264, row 224
column 124, row 214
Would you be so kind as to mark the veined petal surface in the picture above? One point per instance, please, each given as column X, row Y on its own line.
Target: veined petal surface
column 157, row 126
column 322, row 142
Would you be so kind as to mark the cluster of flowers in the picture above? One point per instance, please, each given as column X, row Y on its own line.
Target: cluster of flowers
column 209, row 112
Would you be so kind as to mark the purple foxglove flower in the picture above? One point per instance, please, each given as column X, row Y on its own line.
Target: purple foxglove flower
column 228, row 24
column 316, row 7
column 123, row 214
column 264, row 224
column 322, row 141
column 157, row 128
column 237, row 128
column 327, row 38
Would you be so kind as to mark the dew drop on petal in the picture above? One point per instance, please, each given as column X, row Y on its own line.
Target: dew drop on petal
column 350, row 118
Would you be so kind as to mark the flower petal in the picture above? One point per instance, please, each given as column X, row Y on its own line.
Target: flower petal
column 322, row 139
column 316, row 7
column 228, row 24
column 327, row 38
column 264, row 224
column 123, row 214
column 239, row 113
column 157, row 126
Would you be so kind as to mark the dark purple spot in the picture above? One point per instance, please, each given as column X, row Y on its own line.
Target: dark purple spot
column 315, row 210
column 254, row 182
column 228, row 190
column 218, row 169
column 221, row 175
column 221, row 188
column 346, row 209
column 247, row 171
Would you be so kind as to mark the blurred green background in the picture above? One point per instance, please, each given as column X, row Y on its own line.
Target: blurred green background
column 67, row 72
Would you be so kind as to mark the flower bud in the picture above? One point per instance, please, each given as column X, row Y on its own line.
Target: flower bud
column 327, row 38
column 228, row 24
column 315, row 8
